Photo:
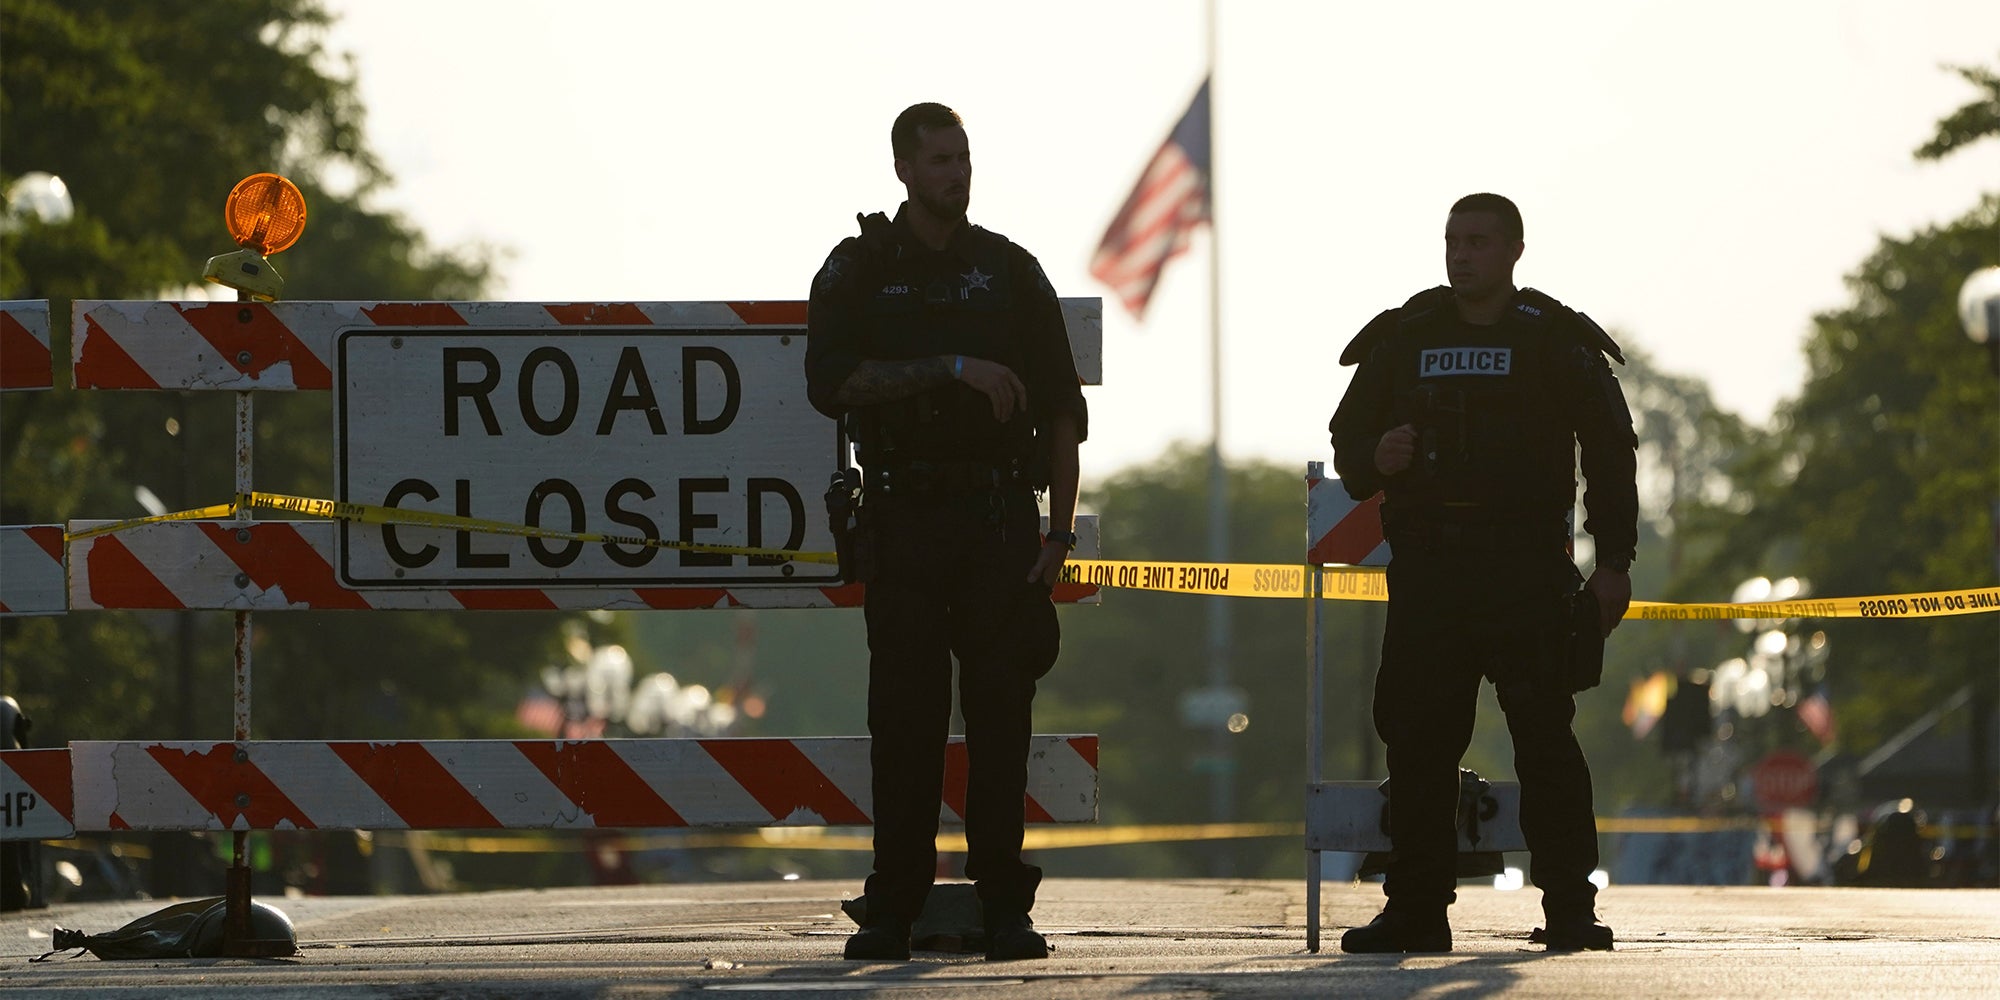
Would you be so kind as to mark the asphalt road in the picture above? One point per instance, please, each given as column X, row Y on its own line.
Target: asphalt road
column 1113, row 938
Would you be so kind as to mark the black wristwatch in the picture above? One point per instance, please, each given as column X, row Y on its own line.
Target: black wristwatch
column 1067, row 538
column 1616, row 564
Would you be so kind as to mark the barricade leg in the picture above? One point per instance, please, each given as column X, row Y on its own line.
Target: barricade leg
column 239, row 938
column 1312, row 901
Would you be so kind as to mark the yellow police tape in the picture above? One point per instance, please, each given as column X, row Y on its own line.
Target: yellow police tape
column 1368, row 583
column 363, row 513
column 797, row 838
column 1338, row 583
column 821, row 839
column 1352, row 583
column 806, row 838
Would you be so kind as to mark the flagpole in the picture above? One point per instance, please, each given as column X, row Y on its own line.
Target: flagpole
column 1222, row 779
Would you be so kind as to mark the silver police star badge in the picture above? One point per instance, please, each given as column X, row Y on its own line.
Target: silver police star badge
column 977, row 280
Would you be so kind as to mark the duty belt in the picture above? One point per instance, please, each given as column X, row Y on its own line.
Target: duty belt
column 941, row 478
column 1446, row 535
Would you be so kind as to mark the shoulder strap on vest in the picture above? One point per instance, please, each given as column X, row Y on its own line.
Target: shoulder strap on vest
column 979, row 232
column 1541, row 309
column 1595, row 337
column 1363, row 344
column 1421, row 308
column 1425, row 305
column 878, row 238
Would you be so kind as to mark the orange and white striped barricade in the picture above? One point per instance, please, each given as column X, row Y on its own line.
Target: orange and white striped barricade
column 527, row 784
column 25, row 358
column 31, row 569
column 290, row 565
column 31, row 555
column 1340, row 529
column 705, row 368
column 290, row 345
column 663, row 415
column 35, row 795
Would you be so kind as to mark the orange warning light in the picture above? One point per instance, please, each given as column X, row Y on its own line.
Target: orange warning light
column 265, row 213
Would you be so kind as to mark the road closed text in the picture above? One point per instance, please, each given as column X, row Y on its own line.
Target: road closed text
column 629, row 507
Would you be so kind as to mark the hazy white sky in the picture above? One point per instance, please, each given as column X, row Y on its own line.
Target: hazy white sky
column 1698, row 176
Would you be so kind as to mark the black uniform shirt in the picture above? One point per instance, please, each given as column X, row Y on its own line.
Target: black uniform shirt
column 1500, row 411
column 885, row 296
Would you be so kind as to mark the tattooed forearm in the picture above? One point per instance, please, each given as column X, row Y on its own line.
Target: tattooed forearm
column 882, row 381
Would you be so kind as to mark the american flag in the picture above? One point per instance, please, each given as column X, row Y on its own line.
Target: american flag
column 1154, row 224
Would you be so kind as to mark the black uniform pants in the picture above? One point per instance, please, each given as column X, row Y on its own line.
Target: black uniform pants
column 1456, row 617
column 949, row 569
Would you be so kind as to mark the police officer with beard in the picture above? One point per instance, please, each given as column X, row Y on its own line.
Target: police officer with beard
column 943, row 348
column 1466, row 414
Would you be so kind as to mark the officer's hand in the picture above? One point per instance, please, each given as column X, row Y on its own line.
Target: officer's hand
column 1048, row 564
column 1613, row 591
column 1396, row 450
column 1001, row 386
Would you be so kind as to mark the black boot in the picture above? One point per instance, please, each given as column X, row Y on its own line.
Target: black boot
column 1393, row 931
column 886, row 939
column 1011, row 936
column 1577, row 932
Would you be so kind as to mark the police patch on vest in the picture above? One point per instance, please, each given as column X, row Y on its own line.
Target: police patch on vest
column 1465, row 361
column 829, row 273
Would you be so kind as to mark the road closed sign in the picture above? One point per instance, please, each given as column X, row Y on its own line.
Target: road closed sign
column 694, row 435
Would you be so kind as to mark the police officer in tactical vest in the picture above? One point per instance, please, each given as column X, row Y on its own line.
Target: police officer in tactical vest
column 1466, row 413
column 942, row 347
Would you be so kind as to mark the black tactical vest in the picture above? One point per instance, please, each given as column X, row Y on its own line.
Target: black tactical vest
column 1494, row 440
column 916, row 302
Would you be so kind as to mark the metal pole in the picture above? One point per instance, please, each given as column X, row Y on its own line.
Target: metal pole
column 245, row 437
column 1365, row 742
column 236, row 913
column 184, row 620
column 1315, row 691
column 1222, row 786
column 1315, row 676
column 238, row 937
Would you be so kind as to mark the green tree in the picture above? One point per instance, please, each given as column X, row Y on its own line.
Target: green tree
column 1978, row 119
column 150, row 113
column 1882, row 475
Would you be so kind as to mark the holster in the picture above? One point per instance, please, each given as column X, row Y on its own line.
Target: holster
column 1035, row 628
column 847, row 519
column 1582, row 656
